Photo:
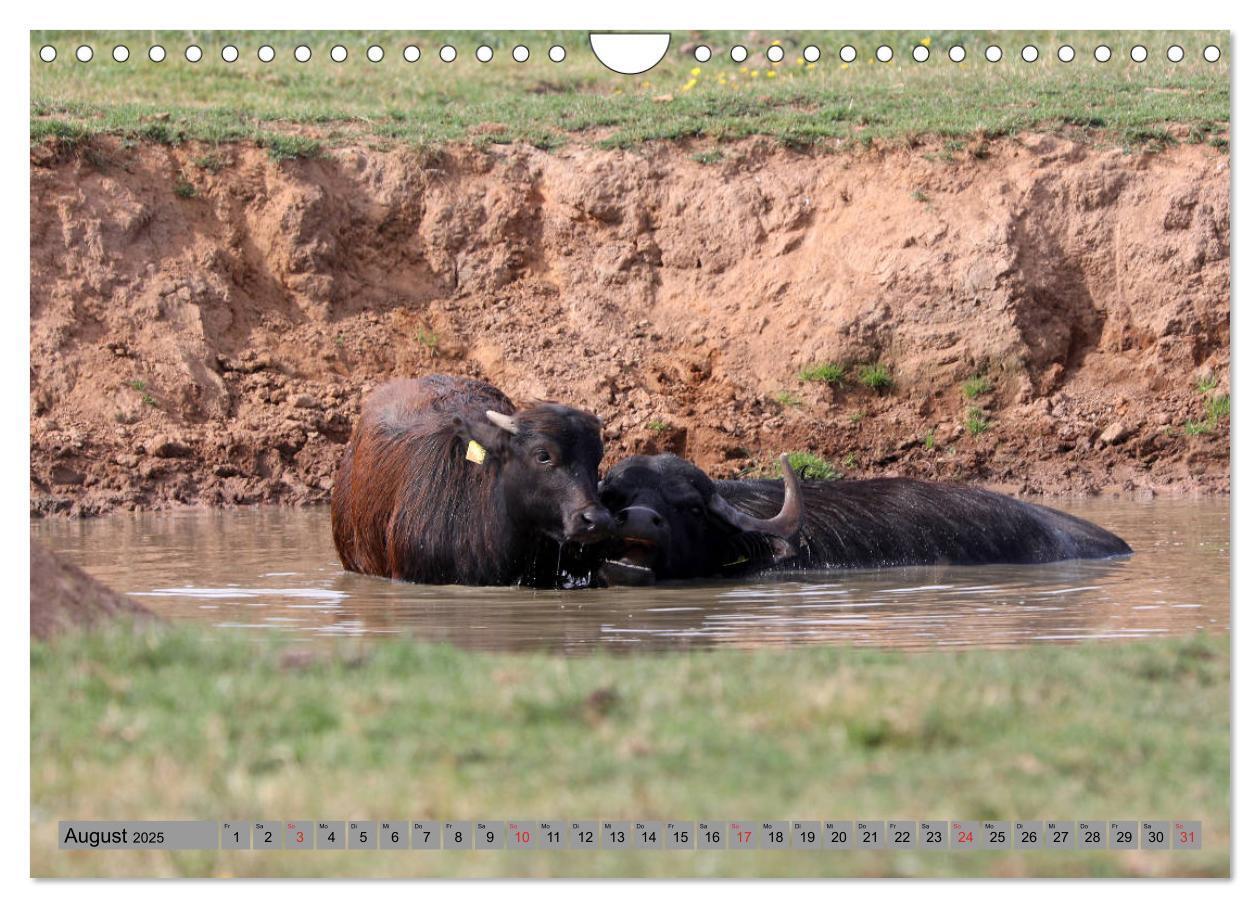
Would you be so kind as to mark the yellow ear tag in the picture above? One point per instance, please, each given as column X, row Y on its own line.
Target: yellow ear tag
column 476, row 453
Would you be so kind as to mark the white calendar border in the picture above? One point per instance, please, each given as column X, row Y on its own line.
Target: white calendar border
column 643, row 15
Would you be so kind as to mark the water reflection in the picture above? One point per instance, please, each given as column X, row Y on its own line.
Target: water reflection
column 275, row 568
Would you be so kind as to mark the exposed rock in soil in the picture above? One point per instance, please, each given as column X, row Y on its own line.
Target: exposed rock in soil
column 213, row 349
column 64, row 597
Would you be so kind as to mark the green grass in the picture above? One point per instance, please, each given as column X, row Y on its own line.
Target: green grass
column 875, row 376
column 826, row 104
column 1207, row 384
column 137, row 384
column 427, row 339
column 975, row 422
column 185, row 190
column 825, row 373
column 976, row 386
column 788, row 399
column 185, row 722
column 808, row 465
column 290, row 148
column 659, row 425
column 712, row 156
column 1217, row 408
column 929, row 440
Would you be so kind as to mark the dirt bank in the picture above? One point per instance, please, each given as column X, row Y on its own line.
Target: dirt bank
column 204, row 321
column 64, row 597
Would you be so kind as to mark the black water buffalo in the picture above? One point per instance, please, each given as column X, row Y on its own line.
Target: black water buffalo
column 444, row 481
column 673, row 523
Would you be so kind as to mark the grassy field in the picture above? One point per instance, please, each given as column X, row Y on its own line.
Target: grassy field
column 827, row 103
column 188, row 723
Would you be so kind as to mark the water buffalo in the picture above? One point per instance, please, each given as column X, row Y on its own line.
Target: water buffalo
column 670, row 528
column 444, row 481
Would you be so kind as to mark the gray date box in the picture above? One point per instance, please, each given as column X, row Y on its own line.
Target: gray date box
column 268, row 836
column 361, row 835
column 457, row 835
column 1156, row 835
column 1060, row 834
column 934, row 835
column 522, row 835
column 900, row 834
column 806, row 834
column 392, row 835
column 584, row 835
column 1029, row 835
column 616, row 834
column 234, row 835
column 680, row 835
column 1091, row 835
column 299, row 835
column 838, row 834
column 426, row 835
column 1187, row 835
column 869, row 834
column 711, row 835
column 491, row 835
column 330, row 834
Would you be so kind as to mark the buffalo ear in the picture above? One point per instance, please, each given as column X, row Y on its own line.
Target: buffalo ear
column 492, row 436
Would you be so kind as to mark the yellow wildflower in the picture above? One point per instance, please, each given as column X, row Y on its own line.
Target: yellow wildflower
column 695, row 71
column 771, row 74
column 926, row 42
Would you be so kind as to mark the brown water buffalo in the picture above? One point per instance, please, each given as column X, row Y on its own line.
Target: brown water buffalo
column 445, row 481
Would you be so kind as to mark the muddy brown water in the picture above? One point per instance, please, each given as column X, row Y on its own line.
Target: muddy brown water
column 275, row 569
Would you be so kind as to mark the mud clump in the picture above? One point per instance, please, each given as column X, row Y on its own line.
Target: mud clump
column 1048, row 314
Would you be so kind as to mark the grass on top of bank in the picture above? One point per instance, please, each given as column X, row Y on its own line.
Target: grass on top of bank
column 825, row 103
column 172, row 722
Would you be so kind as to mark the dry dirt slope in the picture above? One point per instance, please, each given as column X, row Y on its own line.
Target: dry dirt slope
column 204, row 321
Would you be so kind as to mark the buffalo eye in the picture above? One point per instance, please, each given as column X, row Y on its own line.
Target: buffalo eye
column 542, row 457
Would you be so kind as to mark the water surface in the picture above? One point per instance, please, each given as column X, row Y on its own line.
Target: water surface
column 275, row 568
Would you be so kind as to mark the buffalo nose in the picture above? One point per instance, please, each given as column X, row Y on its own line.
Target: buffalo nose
column 596, row 520
column 623, row 516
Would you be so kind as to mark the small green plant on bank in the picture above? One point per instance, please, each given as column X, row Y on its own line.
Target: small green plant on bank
column 976, row 423
column 289, row 148
column 1207, row 384
column 850, row 461
column 875, row 376
column 857, row 416
column 1217, row 409
column 185, row 189
column 711, row 156
column 808, row 465
column 827, row 373
column 137, row 384
column 919, row 195
column 975, row 386
column 788, row 399
column 148, row 400
column 659, row 425
column 427, row 339
column 929, row 440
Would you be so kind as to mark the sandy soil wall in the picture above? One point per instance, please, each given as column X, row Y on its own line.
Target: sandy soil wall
column 205, row 321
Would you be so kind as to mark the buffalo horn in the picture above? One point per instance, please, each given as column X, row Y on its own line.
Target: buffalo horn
column 506, row 423
column 784, row 525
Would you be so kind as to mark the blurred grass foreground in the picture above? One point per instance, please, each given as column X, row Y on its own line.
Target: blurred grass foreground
column 180, row 723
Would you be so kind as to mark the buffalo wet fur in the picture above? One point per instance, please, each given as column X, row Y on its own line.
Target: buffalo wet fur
column 409, row 503
column 668, row 531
